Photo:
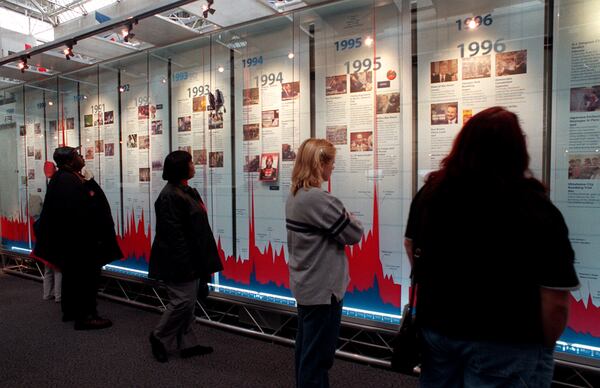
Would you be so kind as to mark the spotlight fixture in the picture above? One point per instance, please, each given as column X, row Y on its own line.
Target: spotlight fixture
column 163, row 80
column 221, row 69
column 128, row 33
column 68, row 51
column 291, row 55
column 121, row 88
column 368, row 41
column 23, row 65
column 50, row 103
column 472, row 24
column 208, row 8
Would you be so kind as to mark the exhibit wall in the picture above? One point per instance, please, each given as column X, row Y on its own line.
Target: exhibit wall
column 389, row 83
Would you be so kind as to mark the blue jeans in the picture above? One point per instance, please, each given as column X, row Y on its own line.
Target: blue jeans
column 318, row 331
column 454, row 363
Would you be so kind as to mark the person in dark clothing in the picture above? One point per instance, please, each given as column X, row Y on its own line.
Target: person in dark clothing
column 184, row 255
column 493, row 262
column 76, row 233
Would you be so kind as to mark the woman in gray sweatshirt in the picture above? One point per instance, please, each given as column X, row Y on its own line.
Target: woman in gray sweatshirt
column 318, row 229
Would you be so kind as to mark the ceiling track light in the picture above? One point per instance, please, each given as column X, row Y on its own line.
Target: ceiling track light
column 128, row 33
column 22, row 65
column 69, row 51
column 208, row 8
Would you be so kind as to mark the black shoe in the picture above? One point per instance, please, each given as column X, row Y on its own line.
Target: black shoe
column 158, row 349
column 197, row 350
column 93, row 323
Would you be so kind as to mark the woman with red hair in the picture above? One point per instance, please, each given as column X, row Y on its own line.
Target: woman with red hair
column 493, row 262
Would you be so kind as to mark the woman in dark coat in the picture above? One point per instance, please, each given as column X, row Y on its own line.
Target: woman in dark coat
column 184, row 255
column 76, row 233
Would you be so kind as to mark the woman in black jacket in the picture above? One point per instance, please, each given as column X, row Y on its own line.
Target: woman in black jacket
column 184, row 255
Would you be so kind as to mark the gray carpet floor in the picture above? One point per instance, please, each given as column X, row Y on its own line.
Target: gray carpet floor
column 38, row 350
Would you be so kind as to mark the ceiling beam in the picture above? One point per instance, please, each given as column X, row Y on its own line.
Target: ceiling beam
column 158, row 7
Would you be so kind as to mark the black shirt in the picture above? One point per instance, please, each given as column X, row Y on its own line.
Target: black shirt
column 485, row 253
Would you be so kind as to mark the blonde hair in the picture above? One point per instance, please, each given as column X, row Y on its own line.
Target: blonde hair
column 312, row 155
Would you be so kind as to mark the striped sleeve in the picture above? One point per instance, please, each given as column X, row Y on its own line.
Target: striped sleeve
column 326, row 215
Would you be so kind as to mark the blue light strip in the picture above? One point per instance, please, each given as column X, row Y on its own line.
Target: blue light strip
column 19, row 249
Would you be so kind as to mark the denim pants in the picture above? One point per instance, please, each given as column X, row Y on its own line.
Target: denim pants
column 318, row 331
column 455, row 363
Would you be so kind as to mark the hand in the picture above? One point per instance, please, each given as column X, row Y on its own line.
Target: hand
column 87, row 174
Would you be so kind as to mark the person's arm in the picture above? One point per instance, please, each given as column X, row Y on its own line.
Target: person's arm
column 555, row 313
column 408, row 247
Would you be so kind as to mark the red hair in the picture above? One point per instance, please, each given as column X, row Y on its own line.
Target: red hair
column 491, row 147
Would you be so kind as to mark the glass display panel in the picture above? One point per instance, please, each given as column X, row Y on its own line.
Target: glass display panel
column 362, row 72
column 14, row 220
column 575, row 177
column 475, row 55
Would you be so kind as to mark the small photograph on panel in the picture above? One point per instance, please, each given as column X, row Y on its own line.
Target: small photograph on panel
column 586, row 166
column 290, row 90
column 52, row 125
column 30, row 151
column 144, row 174
column 156, row 128
column 215, row 120
column 199, row 104
column 99, row 146
column 143, row 142
column 88, row 121
column 31, row 174
column 199, row 157
column 109, row 117
column 89, row 153
column 446, row 113
column 388, row 103
column 71, row 123
column 184, row 124
column 157, row 165
column 444, row 71
column 22, row 130
column 585, row 99
column 153, row 109
column 269, row 167
column 251, row 132
column 100, row 119
column 336, row 84
column 37, row 128
column 187, row 149
column 361, row 141
column 361, row 82
column 109, row 149
column 466, row 115
column 511, row 63
column 216, row 159
column 287, row 153
column 132, row 140
column 252, row 163
column 250, row 96
column 270, row 118
column 143, row 112
column 337, row 134
column 477, row 67
column 38, row 155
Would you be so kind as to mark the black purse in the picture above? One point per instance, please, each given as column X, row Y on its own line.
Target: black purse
column 406, row 345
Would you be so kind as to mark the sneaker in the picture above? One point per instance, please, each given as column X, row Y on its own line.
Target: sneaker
column 197, row 350
column 158, row 349
column 93, row 323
